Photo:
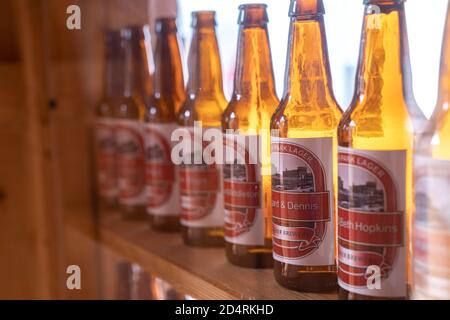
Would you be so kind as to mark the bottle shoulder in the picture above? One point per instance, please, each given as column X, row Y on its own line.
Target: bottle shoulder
column 243, row 105
column 208, row 110
column 385, row 126
column 160, row 110
column 437, row 134
column 129, row 108
column 308, row 116
column 380, row 108
column 105, row 108
column 249, row 114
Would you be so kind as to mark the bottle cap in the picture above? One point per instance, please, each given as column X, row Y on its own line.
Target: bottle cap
column 203, row 19
column 253, row 15
column 306, row 8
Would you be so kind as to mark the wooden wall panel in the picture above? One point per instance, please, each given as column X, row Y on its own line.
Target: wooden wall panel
column 46, row 166
column 29, row 221
column 76, row 66
column 68, row 44
column 77, row 87
column 9, row 47
column 17, row 239
column 122, row 13
column 12, row 106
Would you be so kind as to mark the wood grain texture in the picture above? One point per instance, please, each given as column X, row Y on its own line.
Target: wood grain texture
column 46, row 168
column 12, row 86
column 122, row 13
column 17, row 248
column 201, row 273
column 9, row 46
column 38, row 226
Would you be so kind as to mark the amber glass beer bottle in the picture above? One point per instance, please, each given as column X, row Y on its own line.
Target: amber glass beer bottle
column 200, row 184
column 129, row 123
column 304, row 159
column 163, row 204
column 375, row 196
column 246, row 124
column 105, row 148
column 432, row 182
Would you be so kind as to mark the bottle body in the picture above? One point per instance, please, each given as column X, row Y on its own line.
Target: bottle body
column 163, row 205
column 376, row 135
column 246, row 124
column 304, row 160
column 431, row 180
column 129, row 124
column 104, row 133
column 200, row 183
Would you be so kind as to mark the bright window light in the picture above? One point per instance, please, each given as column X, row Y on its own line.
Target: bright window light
column 343, row 25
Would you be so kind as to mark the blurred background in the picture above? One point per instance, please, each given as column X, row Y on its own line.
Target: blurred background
column 50, row 83
column 425, row 20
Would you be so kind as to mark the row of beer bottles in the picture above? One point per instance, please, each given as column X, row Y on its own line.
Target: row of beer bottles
column 330, row 187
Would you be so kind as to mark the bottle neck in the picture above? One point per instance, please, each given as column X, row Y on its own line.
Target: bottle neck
column 384, row 66
column 308, row 76
column 131, row 81
column 205, row 70
column 135, row 72
column 108, row 76
column 254, row 73
column 168, row 81
column 113, row 77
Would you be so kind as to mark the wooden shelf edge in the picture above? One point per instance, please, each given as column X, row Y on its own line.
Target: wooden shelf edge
column 184, row 267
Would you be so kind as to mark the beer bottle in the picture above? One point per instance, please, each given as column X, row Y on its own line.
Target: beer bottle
column 129, row 123
column 432, row 181
column 376, row 134
column 304, row 158
column 246, row 123
column 163, row 204
column 104, row 124
column 200, row 184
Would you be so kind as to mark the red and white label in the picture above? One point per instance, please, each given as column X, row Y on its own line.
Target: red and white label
column 200, row 186
column 432, row 229
column 302, row 201
column 371, row 222
column 160, row 172
column 131, row 162
column 106, row 157
column 244, row 219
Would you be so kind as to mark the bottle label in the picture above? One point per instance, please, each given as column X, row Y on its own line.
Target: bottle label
column 432, row 229
column 131, row 162
column 302, row 195
column 106, row 157
column 160, row 172
column 200, row 186
column 244, row 219
column 371, row 222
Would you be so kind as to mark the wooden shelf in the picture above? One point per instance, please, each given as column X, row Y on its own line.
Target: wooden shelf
column 201, row 273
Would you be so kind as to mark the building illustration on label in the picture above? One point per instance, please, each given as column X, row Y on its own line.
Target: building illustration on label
column 160, row 172
column 364, row 197
column 370, row 222
column 199, row 184
column 432, row 230
column 130, row 150
column 106, row 158
column 300, row 204
column 200, row 190
column 242, row 195
column 300, row 179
